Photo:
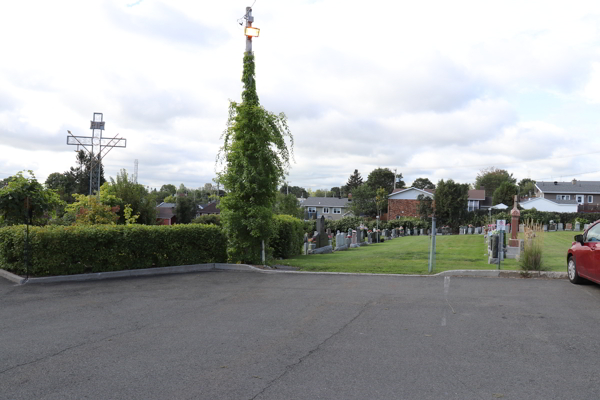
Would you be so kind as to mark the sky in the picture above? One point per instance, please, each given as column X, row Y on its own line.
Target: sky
column 432, row 89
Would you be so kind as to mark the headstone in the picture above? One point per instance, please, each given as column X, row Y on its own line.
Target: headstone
column 421, row 231
column 560, row 226
column 470, row 230
column 521, row 228
column 354, row 237
column 369, row 237
column 569, row 227
column 305, row 243
column 552, row 228
column 577, row 226
column 322, row 238
column 545, row 228
column 585, row 226
column 407, row 231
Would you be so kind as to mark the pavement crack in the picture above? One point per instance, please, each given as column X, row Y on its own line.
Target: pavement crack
column 290, row 367
column 70, row 348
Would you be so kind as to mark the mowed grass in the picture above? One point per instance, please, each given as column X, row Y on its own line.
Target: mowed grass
column 410, row 255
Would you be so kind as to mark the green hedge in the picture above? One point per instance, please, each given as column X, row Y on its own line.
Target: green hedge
column 288, row 236
column 65, row 250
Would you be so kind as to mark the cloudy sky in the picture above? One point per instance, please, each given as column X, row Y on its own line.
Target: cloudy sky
column 434, row 89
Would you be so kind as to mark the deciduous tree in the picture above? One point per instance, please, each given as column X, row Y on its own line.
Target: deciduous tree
column 451, row 200
column 491, row 178
column 381, row 178
column 423, row 183
column 505, row 194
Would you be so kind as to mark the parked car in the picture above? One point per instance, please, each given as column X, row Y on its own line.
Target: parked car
column 583, row 258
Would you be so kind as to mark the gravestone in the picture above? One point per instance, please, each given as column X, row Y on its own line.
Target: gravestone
column 421, row 231
column 369, row 237
column 585, row 226
column 552, row 228
column 545, row 228
column 470, row 231
column 322, row 238
column 305, row 243
column 521, row 228
column 560, row 226
column 354, row 237
column 569, row 227
column 577, row 226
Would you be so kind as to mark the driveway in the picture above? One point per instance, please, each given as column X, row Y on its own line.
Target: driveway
column 244, row 335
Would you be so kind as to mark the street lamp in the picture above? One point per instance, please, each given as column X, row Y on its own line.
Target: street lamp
column 251, row 31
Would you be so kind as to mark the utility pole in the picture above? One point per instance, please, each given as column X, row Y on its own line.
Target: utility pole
column 432, row 248
column 395, row 179
column 248, row 31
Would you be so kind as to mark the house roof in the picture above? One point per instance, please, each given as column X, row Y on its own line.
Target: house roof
column 476, row 194
column 557, row 201
column 165, row 210
column 167, row 205
column 325, row 201
column 210, row 208
column 574, row 186
column 423, row 191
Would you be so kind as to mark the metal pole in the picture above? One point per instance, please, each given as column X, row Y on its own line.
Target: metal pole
column 500, row 247
column 263, row 252
column 432, row 248
column 249, row 21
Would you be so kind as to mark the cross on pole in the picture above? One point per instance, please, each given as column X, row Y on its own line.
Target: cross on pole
column 95, row 145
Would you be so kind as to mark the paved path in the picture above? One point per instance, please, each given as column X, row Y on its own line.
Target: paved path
column 239, row 335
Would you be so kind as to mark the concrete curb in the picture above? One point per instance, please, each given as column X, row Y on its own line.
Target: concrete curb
column 182, row 269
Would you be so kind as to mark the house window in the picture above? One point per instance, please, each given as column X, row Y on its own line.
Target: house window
column 590, row 199
column 563, row 197
column 337, row 210
column 579, row 199
column 558, row 197
column 312, row 209
column 325, row 210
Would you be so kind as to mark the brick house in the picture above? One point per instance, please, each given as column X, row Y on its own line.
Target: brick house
column 404, row 203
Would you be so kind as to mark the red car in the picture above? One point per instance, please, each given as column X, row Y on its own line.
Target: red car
column 583, row 258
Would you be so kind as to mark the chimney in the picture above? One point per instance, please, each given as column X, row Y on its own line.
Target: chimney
column 555, row 183
column 481, row 187
column 349, row 196
column 574, row 181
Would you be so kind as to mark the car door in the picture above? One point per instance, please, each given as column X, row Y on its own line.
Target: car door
column 589, row 259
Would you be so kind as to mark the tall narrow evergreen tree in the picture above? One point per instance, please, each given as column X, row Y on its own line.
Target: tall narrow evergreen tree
column 255, row 157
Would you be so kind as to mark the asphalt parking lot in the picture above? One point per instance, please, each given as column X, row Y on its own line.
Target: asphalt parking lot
column 244, row 335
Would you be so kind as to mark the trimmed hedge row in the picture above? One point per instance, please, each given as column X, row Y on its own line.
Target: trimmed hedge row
column 66, row 250
column 288, row 236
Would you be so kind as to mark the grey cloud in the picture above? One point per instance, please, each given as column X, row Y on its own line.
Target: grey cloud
column 168, row 24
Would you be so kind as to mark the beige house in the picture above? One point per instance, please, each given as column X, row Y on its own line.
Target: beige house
column 330, row 207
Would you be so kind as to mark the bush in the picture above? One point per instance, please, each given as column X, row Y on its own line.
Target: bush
column 531, row 257
column 60, row 250
column 208, row 219
column 288, row 236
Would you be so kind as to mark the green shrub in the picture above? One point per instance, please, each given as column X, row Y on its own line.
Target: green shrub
column 65, row 250
column 288, row 236
column 208, row 219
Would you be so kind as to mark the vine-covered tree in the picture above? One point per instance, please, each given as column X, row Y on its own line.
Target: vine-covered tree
column 364, row 201
column 425, row 206
column 255, row 157
column 527, row 187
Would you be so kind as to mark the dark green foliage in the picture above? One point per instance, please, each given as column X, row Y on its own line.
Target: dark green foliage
column 185, row 210
column 295, row 190
column 491, row 178
column 364, row 201
column 288, row 205
column 256, row 158
column 60, row 250
column 209, row 219
column 128, row 192
column 288, row 236
column 381, row 178
column 354, row 182
column 423, row 183
column 425, row 206
column 505, row 194
column 527, row 187
column 451, row 201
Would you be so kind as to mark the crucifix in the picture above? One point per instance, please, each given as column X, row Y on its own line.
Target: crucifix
column 95, row 145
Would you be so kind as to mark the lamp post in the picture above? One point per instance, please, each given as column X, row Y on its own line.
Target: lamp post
column 250, row 31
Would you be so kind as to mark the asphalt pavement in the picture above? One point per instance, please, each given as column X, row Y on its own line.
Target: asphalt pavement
column 247, row 335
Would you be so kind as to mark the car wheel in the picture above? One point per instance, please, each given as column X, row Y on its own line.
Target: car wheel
column 572, row 271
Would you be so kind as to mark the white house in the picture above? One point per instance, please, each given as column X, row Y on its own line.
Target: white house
column 545, row 204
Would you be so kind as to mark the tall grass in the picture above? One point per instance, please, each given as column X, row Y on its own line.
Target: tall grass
column 531, row 258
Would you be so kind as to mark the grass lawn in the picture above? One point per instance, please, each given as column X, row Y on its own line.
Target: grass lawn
column 410, row 255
